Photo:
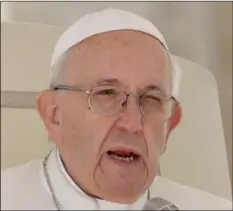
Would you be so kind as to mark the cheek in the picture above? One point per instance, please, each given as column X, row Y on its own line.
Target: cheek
column 83, row 132
column 72, row 126
column 96, row 130
column 71, row 117
column 155, row 136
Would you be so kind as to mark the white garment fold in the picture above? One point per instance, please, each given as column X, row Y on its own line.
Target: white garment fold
column 24, row 188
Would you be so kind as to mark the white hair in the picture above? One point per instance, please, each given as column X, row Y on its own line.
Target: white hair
column 176, row 76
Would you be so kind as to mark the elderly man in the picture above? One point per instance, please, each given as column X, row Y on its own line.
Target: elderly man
column 109, row 110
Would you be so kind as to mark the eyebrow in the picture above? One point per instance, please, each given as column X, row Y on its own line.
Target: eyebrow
column 152, row 86
column 115, row 81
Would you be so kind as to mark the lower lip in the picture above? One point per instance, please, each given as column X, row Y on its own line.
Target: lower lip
column 123, row 162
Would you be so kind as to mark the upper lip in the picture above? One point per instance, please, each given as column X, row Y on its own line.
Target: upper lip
column 126, row 149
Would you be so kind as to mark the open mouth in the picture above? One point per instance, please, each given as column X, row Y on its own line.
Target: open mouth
column 124, row 155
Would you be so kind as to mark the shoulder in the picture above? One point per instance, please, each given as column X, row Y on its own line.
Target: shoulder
column 187, row 197
column 20, row 173
column 21, row 186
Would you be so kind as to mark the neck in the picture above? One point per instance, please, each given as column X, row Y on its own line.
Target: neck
column 76, row 183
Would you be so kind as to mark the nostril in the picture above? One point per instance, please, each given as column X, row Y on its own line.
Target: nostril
column 124, row 104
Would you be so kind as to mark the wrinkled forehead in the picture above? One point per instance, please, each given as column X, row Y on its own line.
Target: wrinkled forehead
column 130, row 57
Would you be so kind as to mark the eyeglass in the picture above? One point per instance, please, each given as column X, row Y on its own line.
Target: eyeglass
column 110, row 100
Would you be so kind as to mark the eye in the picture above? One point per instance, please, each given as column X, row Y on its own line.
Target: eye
column 106, row 92
column 155, row 98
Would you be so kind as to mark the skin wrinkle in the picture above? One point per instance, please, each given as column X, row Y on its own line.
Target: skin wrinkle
column 136, row 60
column 102, row 155
column 81, row 47
column 112, row 64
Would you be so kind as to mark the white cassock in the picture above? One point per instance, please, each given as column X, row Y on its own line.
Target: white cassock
column 25, row 188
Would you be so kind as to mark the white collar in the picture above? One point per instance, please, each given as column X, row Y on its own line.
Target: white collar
column 71, row 197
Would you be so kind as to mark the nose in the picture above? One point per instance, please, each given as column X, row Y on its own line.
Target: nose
column 130, row 119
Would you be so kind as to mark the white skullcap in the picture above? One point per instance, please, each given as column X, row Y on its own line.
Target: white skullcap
column 105, row 21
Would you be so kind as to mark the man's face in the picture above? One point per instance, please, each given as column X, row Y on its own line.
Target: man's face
column 91, row 144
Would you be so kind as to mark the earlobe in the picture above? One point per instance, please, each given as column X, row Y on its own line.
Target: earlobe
column 176, row 117
column 173, row 122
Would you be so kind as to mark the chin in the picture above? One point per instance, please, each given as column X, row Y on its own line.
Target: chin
column 123, row 195
column 123, row 198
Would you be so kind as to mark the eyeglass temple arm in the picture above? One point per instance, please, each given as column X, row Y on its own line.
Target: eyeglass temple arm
column 70, row 88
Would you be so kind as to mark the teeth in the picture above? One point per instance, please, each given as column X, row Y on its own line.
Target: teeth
column 128, row 159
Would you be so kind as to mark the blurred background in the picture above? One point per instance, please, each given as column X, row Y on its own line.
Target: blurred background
column 197, row 31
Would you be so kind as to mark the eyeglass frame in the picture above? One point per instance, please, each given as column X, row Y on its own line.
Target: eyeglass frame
column 89, row 92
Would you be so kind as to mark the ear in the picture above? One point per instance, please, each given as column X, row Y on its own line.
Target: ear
column 173, row 121
column 46, row 107
column 175, row 118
